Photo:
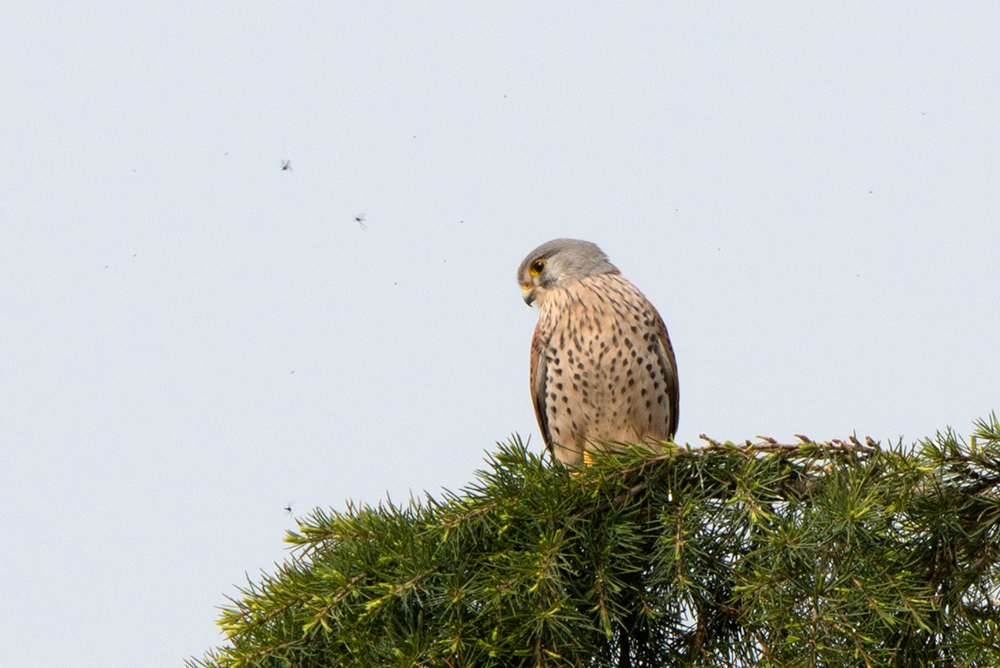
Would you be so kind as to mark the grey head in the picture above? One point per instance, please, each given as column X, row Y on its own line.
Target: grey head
column 558, row 263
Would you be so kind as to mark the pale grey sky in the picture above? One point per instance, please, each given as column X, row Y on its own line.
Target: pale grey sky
column 192, row 338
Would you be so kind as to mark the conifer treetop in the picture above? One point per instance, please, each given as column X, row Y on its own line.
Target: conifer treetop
column 841, row 553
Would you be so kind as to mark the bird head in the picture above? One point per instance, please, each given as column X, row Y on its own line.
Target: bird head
column 558, row 263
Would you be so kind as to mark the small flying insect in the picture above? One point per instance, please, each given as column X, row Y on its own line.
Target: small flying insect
column 286, row 166
column 288, row 507
column 360, row 219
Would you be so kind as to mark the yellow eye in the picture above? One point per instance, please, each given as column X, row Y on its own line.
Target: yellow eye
column 537, row 268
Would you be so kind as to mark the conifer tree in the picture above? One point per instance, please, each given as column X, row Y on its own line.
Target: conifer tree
column 839, row 553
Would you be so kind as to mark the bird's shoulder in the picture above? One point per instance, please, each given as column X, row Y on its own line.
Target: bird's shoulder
column 611, row 289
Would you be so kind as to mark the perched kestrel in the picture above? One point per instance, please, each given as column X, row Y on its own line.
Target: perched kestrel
column 602, row 368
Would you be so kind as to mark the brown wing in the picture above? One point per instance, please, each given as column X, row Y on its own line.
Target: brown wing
column 538, row 394
column 669, row 364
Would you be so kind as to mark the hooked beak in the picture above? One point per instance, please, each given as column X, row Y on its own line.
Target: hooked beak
column 528, row 294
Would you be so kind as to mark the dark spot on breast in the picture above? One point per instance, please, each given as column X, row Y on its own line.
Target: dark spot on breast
column 559, row 386
column 558, row 372
column 649, row 367
column 648, row 403
column 576, row 376
column 556, row 430
column 631, row 381
column 634, row 328
column 565, row 400
column 643, row 391
column 656, row 385
column 628, row 342
column 659, row 399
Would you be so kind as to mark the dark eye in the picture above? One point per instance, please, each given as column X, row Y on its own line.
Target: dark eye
column 537, row 268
